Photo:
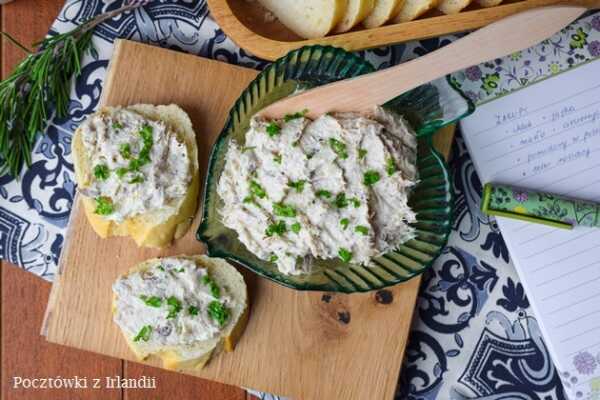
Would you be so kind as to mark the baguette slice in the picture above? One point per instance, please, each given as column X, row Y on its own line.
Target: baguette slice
column 310, row 18
column 453, row 6
column 197, row 355
column 155, row 229
column 489, row 3
column 384, row 11
column 356, row 12
column 413, row 9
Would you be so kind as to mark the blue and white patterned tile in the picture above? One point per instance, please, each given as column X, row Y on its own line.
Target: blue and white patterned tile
column 474, row 336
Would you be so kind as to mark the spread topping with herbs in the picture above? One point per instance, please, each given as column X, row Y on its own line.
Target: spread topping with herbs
column 171, row 303
column 336, row 187
column 137, row 164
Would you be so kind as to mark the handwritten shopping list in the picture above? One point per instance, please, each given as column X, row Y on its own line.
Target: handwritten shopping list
column 547, row 137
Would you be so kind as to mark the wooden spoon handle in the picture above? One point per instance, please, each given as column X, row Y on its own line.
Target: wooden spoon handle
column 499, row 39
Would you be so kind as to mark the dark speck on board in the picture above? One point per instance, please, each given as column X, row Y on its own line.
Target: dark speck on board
column 344, row 317
column 326, row 298
column 384, row 296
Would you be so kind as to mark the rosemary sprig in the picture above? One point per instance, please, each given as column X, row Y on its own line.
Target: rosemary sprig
column 39, row 86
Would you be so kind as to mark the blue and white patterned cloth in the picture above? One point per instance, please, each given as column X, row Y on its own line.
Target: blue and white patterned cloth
column 473, row 336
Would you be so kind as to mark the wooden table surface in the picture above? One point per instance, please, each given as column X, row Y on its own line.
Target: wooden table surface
column 24, row 353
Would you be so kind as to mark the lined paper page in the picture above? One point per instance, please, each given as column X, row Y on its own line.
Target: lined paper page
column 547, row 137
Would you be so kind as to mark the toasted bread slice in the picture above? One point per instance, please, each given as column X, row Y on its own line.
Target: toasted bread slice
column 195, row 355
column 453, row 6
column 489, row 3
column 356, row 12
column 308, row 19
column 413, row 9
column 384, row 11
column 153, row 229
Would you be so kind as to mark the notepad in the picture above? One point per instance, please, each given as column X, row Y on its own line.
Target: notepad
column 547, row 137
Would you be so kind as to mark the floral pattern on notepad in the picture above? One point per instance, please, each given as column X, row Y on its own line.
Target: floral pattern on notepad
column 585, row 363
column 573, row 46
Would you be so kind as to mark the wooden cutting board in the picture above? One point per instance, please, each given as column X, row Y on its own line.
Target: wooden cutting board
column 300, row 344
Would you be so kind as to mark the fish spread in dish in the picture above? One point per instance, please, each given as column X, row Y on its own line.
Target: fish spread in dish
column 334, row 187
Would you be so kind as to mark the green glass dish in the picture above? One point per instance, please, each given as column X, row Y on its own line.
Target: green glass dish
column 428, row 108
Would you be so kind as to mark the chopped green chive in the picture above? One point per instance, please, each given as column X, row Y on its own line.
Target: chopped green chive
column 218, row 312
column 101, row 172
column 215, row 290
column 143, row 334
column 174, row 307
column 277, row 228
column 390, row 167
column 125, row 151
column 362, row 229
column 161, row 268
column 146, row 134
column 273, row 258
column 344, row 222
column 152, row 301
column 273, row 129
column 371, row 177
column 284, row 210
column 181, row 269
column 143, row 158
column 193, row 310
column 121, row 172
column 295, row 227
column 339, row 148
column 117, row 125
column 277, row 158
column 355, row 202
column 257, row 190
column 298, row 185
column 104, row 206
column 345, row 254
column 323, row 193
column 249, row 199
column 299, row 114
column 361, row 153
column 341, row 201
column 137, row 179
column 247, row 148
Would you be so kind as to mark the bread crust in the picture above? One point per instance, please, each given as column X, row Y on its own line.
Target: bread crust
column 155, row 229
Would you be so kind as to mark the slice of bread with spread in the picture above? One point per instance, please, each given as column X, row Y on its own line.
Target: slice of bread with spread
column 310, row 18
column 137, row 171
column 183, row 309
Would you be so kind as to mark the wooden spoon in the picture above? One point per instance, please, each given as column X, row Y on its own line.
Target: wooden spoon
column 498, row 39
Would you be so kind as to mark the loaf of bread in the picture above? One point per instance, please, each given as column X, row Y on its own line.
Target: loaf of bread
column 137, row 172
column 183, row 310
column 356, row 12
column 309, row 18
